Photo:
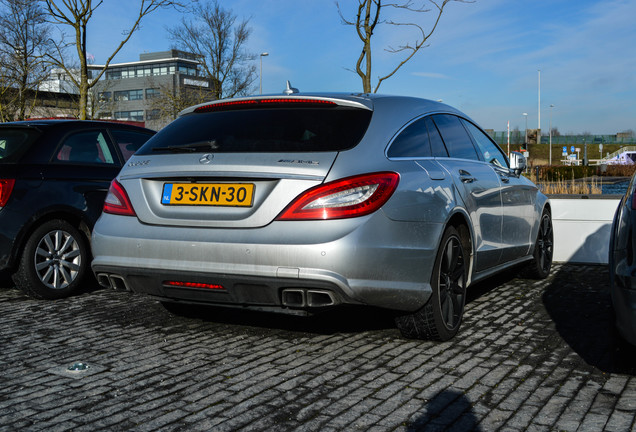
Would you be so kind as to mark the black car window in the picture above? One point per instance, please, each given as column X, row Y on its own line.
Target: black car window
column 85, row 147
column 455, row 137
column 437, row 145
column 129, row 141
column 489, row 149
column 271, row 129
column 412, row 142
column 14, row 142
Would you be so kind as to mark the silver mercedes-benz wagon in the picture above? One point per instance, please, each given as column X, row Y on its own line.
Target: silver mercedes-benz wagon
column 301, row 202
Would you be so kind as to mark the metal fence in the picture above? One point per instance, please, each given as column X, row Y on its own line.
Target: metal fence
column 517, row 137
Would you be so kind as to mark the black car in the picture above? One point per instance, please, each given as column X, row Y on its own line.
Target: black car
column 622, row 264
column 54, row 175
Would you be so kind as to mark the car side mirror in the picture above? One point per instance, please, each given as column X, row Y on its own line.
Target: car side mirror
column 517, row 163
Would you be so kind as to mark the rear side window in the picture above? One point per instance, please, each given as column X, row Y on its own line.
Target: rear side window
column 489, row 149
column 15, row 142
column 437, row 145
column 85, row 147
column 273, row 129
column 458, row 143
column 412, row 142
column 129, row 141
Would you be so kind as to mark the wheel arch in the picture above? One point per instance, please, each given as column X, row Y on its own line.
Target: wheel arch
column 72, row 216
column 461, row 222
column 547, row 207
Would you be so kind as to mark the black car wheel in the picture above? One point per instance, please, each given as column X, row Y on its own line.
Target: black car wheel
column 54, row 261
column 539, row 267
column 441, row 317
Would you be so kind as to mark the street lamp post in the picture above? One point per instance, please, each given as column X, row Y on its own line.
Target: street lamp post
column 551, row 106
column 539, row 109
column 260, row 75
column 525, row 139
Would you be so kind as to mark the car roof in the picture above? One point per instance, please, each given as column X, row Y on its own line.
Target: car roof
column 390, row 112
column 360, row 100
column 47, row 123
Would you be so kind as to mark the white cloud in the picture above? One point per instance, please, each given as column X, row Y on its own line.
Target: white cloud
column 431, row 75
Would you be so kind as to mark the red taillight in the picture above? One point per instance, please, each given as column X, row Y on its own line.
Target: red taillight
column 181, row 284
column 350, row 197
column 117, row 201
column 6, row 186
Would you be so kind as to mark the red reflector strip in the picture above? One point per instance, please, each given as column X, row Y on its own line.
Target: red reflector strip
column 295, row 101
column 220, row 106
column 181, row 284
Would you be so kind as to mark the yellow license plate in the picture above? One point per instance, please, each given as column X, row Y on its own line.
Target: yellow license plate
column 211, row 194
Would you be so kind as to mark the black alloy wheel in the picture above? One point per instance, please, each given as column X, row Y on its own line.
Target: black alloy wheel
column 451, row 283
column 441, row 316
column 539, row 267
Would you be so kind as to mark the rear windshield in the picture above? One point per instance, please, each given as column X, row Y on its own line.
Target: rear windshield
column 263, row 130
column 14, row 142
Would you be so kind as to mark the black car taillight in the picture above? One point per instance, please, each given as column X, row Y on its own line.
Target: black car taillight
column 6, row 187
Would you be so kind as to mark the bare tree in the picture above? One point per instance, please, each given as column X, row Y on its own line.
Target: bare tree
column 213, row 34
column 7, row 95
column 24, row 40
column 77, row 14
column 370, row 14
column 172, row 100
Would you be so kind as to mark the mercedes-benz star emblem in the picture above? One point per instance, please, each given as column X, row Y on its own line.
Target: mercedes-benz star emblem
column 206, row 158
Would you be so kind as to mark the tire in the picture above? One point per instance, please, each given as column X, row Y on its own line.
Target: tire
column 541, row 263
column 441, row 316
column 54, row 262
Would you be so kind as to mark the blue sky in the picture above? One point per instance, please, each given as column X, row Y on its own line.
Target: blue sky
column 482, row 59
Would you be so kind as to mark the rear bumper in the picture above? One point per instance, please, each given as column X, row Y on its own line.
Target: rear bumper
column 277, row 294
column 283, row 265
column 11, row 225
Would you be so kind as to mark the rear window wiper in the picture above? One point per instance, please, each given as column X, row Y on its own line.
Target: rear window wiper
column 190, row 147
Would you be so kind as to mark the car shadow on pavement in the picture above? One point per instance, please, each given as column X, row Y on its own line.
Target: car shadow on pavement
column 89, row 286
column 5, row 281
column 447, row 408
column 579, row 303
column 342, row 319
column 345, row 319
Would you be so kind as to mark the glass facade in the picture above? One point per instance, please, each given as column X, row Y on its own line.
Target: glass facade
column 129, row 115
column 132, row 100
column 146, row 70
column 152, row 93
column 126, row 95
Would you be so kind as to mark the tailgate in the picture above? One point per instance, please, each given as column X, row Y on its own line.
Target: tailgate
column 229, row 190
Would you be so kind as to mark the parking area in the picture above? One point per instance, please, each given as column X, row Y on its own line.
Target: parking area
column 529, row 356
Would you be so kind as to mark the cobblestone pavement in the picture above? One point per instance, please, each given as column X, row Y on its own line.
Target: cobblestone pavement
column 530, row 356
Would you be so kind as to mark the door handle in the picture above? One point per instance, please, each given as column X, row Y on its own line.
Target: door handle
column 504, row 178
column 466, row 177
